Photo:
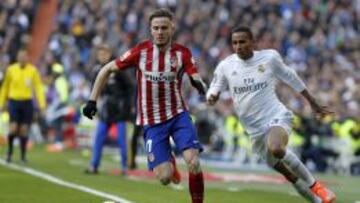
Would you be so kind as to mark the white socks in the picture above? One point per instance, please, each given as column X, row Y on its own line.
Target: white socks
column 299, row 169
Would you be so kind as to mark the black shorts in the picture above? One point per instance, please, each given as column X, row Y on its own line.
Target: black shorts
column 21, row 111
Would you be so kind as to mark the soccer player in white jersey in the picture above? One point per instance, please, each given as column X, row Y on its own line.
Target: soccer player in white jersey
column 252, row 77
column 160, row 65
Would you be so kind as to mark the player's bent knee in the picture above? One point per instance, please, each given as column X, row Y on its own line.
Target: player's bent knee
column 277, row 151
column 165, row 181
column 164, row 176
column 194, row 165
column 13, row 129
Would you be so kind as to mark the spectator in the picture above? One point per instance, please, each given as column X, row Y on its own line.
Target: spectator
column 115, row 108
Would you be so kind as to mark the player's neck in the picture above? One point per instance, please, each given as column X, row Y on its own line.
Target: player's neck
column 22, row 65
column 247, row 57
column 163, row 47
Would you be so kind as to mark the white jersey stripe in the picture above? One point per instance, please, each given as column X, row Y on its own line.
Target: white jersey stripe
column 143, row 103
column 139, row 108
column 155, row 93
column 167, row 85
column 179, row 106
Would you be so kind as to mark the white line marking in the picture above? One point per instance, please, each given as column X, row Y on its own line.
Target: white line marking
column 58, row 181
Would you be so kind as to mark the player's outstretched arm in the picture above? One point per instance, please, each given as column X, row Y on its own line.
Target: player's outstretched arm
column 320, row 110
column 90, row 108
column 198, row 83
column 101, row 79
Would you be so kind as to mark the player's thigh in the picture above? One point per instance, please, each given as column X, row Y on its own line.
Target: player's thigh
column 157, row 145
column 279, row 129
column 184, row 133
column 277, row 137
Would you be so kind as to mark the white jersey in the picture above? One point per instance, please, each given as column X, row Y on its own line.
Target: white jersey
column 252, row 85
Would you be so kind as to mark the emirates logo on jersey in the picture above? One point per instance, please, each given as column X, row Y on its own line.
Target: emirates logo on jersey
column 261, row 68
column 159, row 76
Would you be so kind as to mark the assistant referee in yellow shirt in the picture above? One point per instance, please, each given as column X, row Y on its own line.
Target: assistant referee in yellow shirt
column 21, row 80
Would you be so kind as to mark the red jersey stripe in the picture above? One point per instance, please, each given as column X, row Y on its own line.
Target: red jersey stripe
column 149, row 92
column 161, row 91
column 173, row 99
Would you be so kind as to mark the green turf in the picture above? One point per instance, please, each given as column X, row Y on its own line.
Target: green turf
column 18, row 187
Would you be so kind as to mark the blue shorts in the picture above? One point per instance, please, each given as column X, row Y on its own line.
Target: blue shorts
column 157, row 138
column 21, row 111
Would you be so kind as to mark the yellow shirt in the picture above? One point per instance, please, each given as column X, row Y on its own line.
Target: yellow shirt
column 19, row 84
column 62, row 89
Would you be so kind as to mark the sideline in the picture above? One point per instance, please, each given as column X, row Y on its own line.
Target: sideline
column 58, row 181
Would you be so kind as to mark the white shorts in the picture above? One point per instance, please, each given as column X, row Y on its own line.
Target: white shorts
column 259, row 142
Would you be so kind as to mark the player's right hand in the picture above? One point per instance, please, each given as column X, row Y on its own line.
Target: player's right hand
column 212, row 99
column 90, row 109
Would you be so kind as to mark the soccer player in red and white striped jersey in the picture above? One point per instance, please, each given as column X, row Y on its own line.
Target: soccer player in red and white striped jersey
column 160, row 65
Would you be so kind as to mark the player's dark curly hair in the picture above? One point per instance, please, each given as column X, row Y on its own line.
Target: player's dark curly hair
column 162, row 12
column 242, row 28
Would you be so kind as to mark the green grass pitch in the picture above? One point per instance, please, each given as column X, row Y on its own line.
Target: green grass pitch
column 18, row 187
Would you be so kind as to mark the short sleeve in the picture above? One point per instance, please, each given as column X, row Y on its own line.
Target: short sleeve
column 189, row 63
column 129, row 58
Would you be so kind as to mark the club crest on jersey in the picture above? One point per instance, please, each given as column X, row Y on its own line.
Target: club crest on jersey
column 174, row 62
column 261, row 68
column 193, row 60
column 234, row 73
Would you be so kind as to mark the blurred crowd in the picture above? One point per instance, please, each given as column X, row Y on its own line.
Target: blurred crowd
column 319, row 39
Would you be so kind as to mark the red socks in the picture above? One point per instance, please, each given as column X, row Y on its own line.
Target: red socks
column 176, row 175
column 196, row 187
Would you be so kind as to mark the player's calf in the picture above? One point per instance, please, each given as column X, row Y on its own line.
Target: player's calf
column 196, row 180
column 193, row 163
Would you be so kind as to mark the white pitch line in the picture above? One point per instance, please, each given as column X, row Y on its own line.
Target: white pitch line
column 58, row 181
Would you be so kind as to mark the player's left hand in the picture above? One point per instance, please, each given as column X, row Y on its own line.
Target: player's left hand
column 90, row 109
column 321, row 111
column 212, row 99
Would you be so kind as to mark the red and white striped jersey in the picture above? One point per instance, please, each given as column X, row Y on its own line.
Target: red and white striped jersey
column 159, row 78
